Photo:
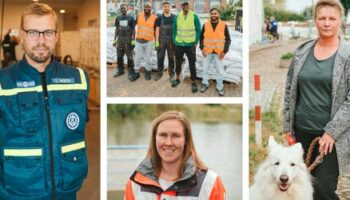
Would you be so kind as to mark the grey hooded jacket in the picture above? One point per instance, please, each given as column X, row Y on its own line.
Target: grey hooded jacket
column 339, row 125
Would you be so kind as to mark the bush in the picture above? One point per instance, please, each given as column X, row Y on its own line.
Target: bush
column 287, row 56
column 283, row 15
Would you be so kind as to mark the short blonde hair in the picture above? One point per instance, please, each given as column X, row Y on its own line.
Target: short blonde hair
column 331, row 3
column 189, row 149
column 39, row 9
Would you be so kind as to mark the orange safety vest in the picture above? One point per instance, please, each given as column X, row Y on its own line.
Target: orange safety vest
column 208, row 186
column 214, row 40
column 145, row 28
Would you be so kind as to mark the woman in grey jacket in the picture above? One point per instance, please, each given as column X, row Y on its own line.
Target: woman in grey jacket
column 317, row 98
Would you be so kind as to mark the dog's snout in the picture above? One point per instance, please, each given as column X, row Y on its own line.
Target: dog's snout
column 284, row 178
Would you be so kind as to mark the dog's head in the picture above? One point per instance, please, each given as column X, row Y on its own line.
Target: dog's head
column 286, row 163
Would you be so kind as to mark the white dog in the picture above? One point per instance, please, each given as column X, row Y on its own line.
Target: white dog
column 283, row 175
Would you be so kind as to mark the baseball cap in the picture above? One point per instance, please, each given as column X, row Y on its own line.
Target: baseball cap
column 185, row 1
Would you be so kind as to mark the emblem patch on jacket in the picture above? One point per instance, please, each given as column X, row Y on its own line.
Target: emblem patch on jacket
column 72, row 121
column 25, row 84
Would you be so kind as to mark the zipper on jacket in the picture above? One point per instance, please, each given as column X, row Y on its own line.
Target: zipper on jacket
column 48, row 118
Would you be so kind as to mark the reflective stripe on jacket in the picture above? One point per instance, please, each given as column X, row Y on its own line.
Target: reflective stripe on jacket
column 42, row 137
column 186, row 30
column 214, row 40
column 197, row 185
column 145, row 28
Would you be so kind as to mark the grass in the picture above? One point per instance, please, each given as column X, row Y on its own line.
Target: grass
column 287, row 56
column 271, row 125
column 195, row 112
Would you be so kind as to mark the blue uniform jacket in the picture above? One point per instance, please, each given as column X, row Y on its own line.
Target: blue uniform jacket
column 42, row 131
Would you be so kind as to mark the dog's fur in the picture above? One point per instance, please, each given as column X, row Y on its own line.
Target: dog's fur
column 287, row 162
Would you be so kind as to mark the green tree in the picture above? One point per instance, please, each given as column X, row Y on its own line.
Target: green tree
column 346, row 4
column 283, row 15
column 227, row 12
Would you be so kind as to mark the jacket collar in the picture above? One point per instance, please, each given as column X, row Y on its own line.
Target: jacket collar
column 343, row 50
column 144, row 175
column 146, row 169
column 29, row 69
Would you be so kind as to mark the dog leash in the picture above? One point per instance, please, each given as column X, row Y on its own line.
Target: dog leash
column 311, row 166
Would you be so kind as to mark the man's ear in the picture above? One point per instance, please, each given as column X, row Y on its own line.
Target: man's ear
column 21, row 35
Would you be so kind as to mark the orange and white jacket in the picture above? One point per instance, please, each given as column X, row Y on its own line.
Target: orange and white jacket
column 195, row 185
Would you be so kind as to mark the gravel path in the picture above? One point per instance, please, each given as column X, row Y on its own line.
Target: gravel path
column 265, row 60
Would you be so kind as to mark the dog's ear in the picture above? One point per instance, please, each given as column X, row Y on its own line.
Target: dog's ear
column 272, row 142
column 298, row 148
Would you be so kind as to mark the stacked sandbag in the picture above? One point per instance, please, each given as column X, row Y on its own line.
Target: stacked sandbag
column 232, row 61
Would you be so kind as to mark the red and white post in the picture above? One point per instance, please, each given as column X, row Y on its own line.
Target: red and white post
column 258, row 131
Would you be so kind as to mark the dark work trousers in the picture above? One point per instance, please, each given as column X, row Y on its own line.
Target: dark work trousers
column 191, row 55
column 122, row 49
column 167, row 46
column 326, row 173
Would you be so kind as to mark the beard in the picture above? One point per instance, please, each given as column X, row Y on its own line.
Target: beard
column 39, row 57
column 214, row 19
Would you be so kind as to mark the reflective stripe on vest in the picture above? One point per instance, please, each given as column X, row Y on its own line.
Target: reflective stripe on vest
column 186, row 29
column 145, row 28
column 214, row 40
column 73, row 147
column 51, row 87
column 23, row 152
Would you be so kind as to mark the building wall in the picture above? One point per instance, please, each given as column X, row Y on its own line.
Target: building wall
column 193, row 3
column 90, row 14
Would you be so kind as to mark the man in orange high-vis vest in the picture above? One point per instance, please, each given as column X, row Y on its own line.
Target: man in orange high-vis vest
column 145, row 35
column 214, row 42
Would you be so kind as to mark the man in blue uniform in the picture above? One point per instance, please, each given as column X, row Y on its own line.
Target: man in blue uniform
column 42, row 117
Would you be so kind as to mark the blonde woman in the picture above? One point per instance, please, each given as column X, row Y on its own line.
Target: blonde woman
column 317, row 98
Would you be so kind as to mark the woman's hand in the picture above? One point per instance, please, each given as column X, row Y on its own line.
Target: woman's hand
column 326, row 143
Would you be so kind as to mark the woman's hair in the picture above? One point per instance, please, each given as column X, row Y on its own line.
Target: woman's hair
column 332, row 3
column 39, row 9
column 189, row 149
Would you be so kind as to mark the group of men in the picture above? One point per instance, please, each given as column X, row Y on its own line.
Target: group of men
column 176, row 35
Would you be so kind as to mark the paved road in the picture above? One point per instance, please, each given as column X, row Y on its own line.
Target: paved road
column 122, row 87
column 265, row 61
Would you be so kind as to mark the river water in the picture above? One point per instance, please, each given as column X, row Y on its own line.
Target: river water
column 219, row 145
